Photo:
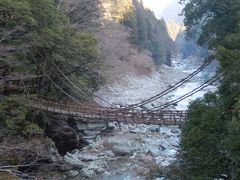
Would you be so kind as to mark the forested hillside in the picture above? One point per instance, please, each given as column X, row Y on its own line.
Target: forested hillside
column 51, row 53
column 211, row 139
column 37, row 39
column 151, row 33
column 146, row 31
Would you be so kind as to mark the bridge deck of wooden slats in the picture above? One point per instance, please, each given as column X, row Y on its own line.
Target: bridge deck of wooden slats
column 163, row 117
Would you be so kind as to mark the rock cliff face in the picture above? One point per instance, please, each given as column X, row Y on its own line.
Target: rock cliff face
column 64, row 136
column 174, row 29
column 71, row 133
column 172, row 11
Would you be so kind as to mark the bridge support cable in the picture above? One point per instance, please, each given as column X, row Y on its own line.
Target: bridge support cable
column 25, row 90
column 72, row 83
column 194, row 91
column 174, row 87
column 81, row 85
column 201, row 87
column 63, row 91
column 86, row 96
column 85, row 107
column 180, row 83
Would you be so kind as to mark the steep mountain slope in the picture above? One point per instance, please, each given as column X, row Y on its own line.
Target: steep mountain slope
column 132, row 39
column 120, row 56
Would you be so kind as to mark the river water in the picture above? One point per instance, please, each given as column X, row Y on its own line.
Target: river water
column 148, row 149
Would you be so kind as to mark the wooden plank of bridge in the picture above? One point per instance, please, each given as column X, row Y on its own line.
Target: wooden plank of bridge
column 126, row 116
column 134, row 118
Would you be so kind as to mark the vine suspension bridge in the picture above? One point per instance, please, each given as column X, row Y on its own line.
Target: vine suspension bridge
column 156, row 116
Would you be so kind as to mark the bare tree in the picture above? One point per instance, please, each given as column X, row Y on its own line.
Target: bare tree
column 84, row 14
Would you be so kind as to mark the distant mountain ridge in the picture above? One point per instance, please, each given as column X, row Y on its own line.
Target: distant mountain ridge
column 185, row 47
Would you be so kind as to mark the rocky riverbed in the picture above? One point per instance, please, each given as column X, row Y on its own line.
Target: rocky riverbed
column 131, row 88
column 132, row 152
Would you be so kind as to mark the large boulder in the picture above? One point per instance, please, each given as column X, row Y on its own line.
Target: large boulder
column 86, row 163
column 74, row 160
column 121, row 148
column 72, row 173
column 153, row 128
column 64, row 136
column 88, row 130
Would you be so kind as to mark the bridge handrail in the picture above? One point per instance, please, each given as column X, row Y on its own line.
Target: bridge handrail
column 163, row 117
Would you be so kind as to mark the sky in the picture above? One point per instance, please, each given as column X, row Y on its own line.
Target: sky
column 157, row 5
column 168, row 9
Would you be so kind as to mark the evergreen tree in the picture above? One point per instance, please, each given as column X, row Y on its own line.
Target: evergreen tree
column 42, row 38
column 220, row 32
column 201, row 139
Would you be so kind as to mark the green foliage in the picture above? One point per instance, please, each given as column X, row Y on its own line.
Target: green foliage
column 201, row 142
column 232, row 144
column 44, row 42
column 12, row 114
column 33, row 129
column 17, row 13
column 46, row 15
column 13, row 117
column 220, row 31
column 210, row 21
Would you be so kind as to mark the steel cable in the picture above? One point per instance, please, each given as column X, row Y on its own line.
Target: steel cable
column 194, row 91
column 177, row 85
